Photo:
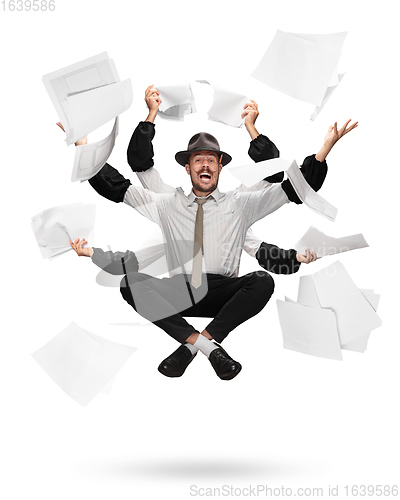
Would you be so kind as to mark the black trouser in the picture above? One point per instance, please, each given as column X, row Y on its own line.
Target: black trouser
column 229, row 301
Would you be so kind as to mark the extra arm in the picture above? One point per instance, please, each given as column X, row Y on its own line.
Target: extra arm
column 119, row 263
column 314, row 168
column 140, row 158
column 111, row 262
column 110, row 184
column 115, row 262
column 140, row 151
column 314, row 171
column 275, row 259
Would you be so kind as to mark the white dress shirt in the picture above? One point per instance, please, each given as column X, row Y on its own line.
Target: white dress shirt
column 227, row 218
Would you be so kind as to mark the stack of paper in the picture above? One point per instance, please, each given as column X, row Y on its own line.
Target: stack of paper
column 304, row 66
column 177, row 101
column 330, row 314
column 54, row 227
column 81, row 363
column 86, row 95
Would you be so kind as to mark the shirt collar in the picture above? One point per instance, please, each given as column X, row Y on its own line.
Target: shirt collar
column 215, row 195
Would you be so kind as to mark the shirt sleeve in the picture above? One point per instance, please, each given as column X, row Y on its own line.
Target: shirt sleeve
column 151, row 179
column 115, row 262
column 149, row 255
column 264, row 199
column 110, row 184
column 277, row 260
column 314, row 172
column 140, row 149
column 147, row 203
column 251, row 243
column 262, row 148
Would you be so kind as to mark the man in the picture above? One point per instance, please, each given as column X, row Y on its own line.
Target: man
column 229, row 300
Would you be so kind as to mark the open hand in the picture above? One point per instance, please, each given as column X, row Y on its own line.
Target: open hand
column 81, row 142
column 333, row 134
column 307, row 258
column 77, row 245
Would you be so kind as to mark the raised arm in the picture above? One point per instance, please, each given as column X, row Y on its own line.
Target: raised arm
column 261, row 147
column 140, row 149
column 314, row 167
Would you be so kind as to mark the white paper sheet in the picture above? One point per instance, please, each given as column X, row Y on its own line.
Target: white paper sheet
column 255, row 172
column 91, row 109
column 372, row 297
column 177, row 101
column 54, row 227
column 227, row 106
column 90, row 158
column 307, row 294
column 307, row 195
column 328, row 93
column 87, row 94
column 302, row 65
column 360, row 344
column 82, row 363
column 308, row 330
column 323, row 245
column 337, row 291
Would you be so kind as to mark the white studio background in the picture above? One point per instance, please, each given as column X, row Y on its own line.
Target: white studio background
column 289, row 420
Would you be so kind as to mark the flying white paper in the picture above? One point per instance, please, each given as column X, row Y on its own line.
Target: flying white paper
column 177, row 101
column 81, row 363
column 90, row 158
column 328, row 93
column 303, row 66
column 255, row 172
column 337, row 291
column 87, row 94
column 323, row 245
column 360, row 344
column 54, row 227
column 307, row 296
column 307, row 195
column 227, row 106
column 308, row 330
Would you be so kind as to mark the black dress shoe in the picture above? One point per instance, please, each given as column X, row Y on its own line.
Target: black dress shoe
column 176, row 364
column 225, row 367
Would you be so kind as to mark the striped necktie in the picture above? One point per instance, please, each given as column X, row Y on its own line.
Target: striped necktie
column 198, row 250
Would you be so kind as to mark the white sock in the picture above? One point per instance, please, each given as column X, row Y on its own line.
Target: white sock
column 191, row 348
column 204, row 345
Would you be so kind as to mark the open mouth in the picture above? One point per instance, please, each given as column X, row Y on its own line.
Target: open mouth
column 205, row 176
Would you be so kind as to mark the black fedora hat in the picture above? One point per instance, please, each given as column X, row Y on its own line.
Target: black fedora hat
column 202, row 142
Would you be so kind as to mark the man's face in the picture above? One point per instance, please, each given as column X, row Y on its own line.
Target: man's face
column 204, row 169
